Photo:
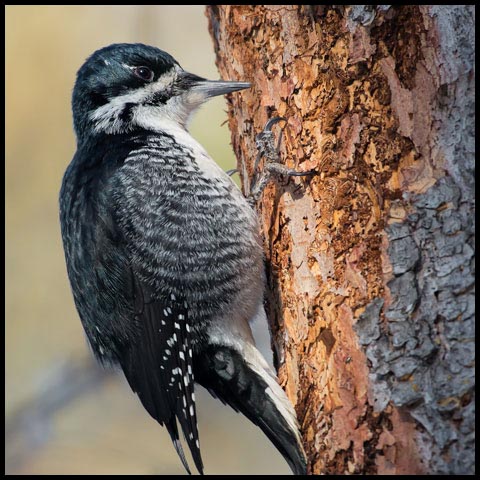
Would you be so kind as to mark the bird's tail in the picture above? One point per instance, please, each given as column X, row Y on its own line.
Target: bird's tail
column 245, row 382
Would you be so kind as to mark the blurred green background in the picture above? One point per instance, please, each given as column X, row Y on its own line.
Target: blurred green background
column 64, row 415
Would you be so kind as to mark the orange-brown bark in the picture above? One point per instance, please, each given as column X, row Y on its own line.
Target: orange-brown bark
column 368, row 94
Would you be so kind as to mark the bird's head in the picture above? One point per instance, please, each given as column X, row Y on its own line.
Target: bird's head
column 124, row 87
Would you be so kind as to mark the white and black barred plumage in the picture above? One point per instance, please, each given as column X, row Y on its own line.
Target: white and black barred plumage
column 162, row 249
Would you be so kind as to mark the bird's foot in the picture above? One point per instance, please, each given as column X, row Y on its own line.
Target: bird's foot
column 273, row 167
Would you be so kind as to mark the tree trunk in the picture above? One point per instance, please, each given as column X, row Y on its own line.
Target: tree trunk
column 371, row 261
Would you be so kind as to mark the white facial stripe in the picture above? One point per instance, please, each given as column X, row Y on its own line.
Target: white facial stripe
column 102, row 116
column 154, row 117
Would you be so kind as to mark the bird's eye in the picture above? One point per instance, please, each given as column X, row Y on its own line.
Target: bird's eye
column 144, row 73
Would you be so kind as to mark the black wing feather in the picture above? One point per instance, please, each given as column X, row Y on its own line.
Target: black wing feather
column 113, row 244
column 158, row 367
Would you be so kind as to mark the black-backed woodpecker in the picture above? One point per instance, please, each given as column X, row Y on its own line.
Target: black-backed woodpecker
column 163, row 250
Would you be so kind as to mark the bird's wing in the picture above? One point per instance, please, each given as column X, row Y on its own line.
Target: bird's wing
column 158, row 366
column 157, row 357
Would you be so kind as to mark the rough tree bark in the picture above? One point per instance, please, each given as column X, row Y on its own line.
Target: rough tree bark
column 370, row 262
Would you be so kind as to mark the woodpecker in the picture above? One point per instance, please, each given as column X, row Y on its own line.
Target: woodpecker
column 163, row 250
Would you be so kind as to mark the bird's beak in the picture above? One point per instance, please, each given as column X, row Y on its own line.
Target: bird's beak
column 212, row 88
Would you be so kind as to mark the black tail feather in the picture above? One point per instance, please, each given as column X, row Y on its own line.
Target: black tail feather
column 253, row 392
column 173, row 431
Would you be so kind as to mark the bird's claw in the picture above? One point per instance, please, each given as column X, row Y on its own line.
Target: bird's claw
column 273, row 166
column 268, row 126
column 232, row 171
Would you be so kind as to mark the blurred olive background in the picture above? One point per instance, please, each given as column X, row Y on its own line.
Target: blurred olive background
column 65, row 415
